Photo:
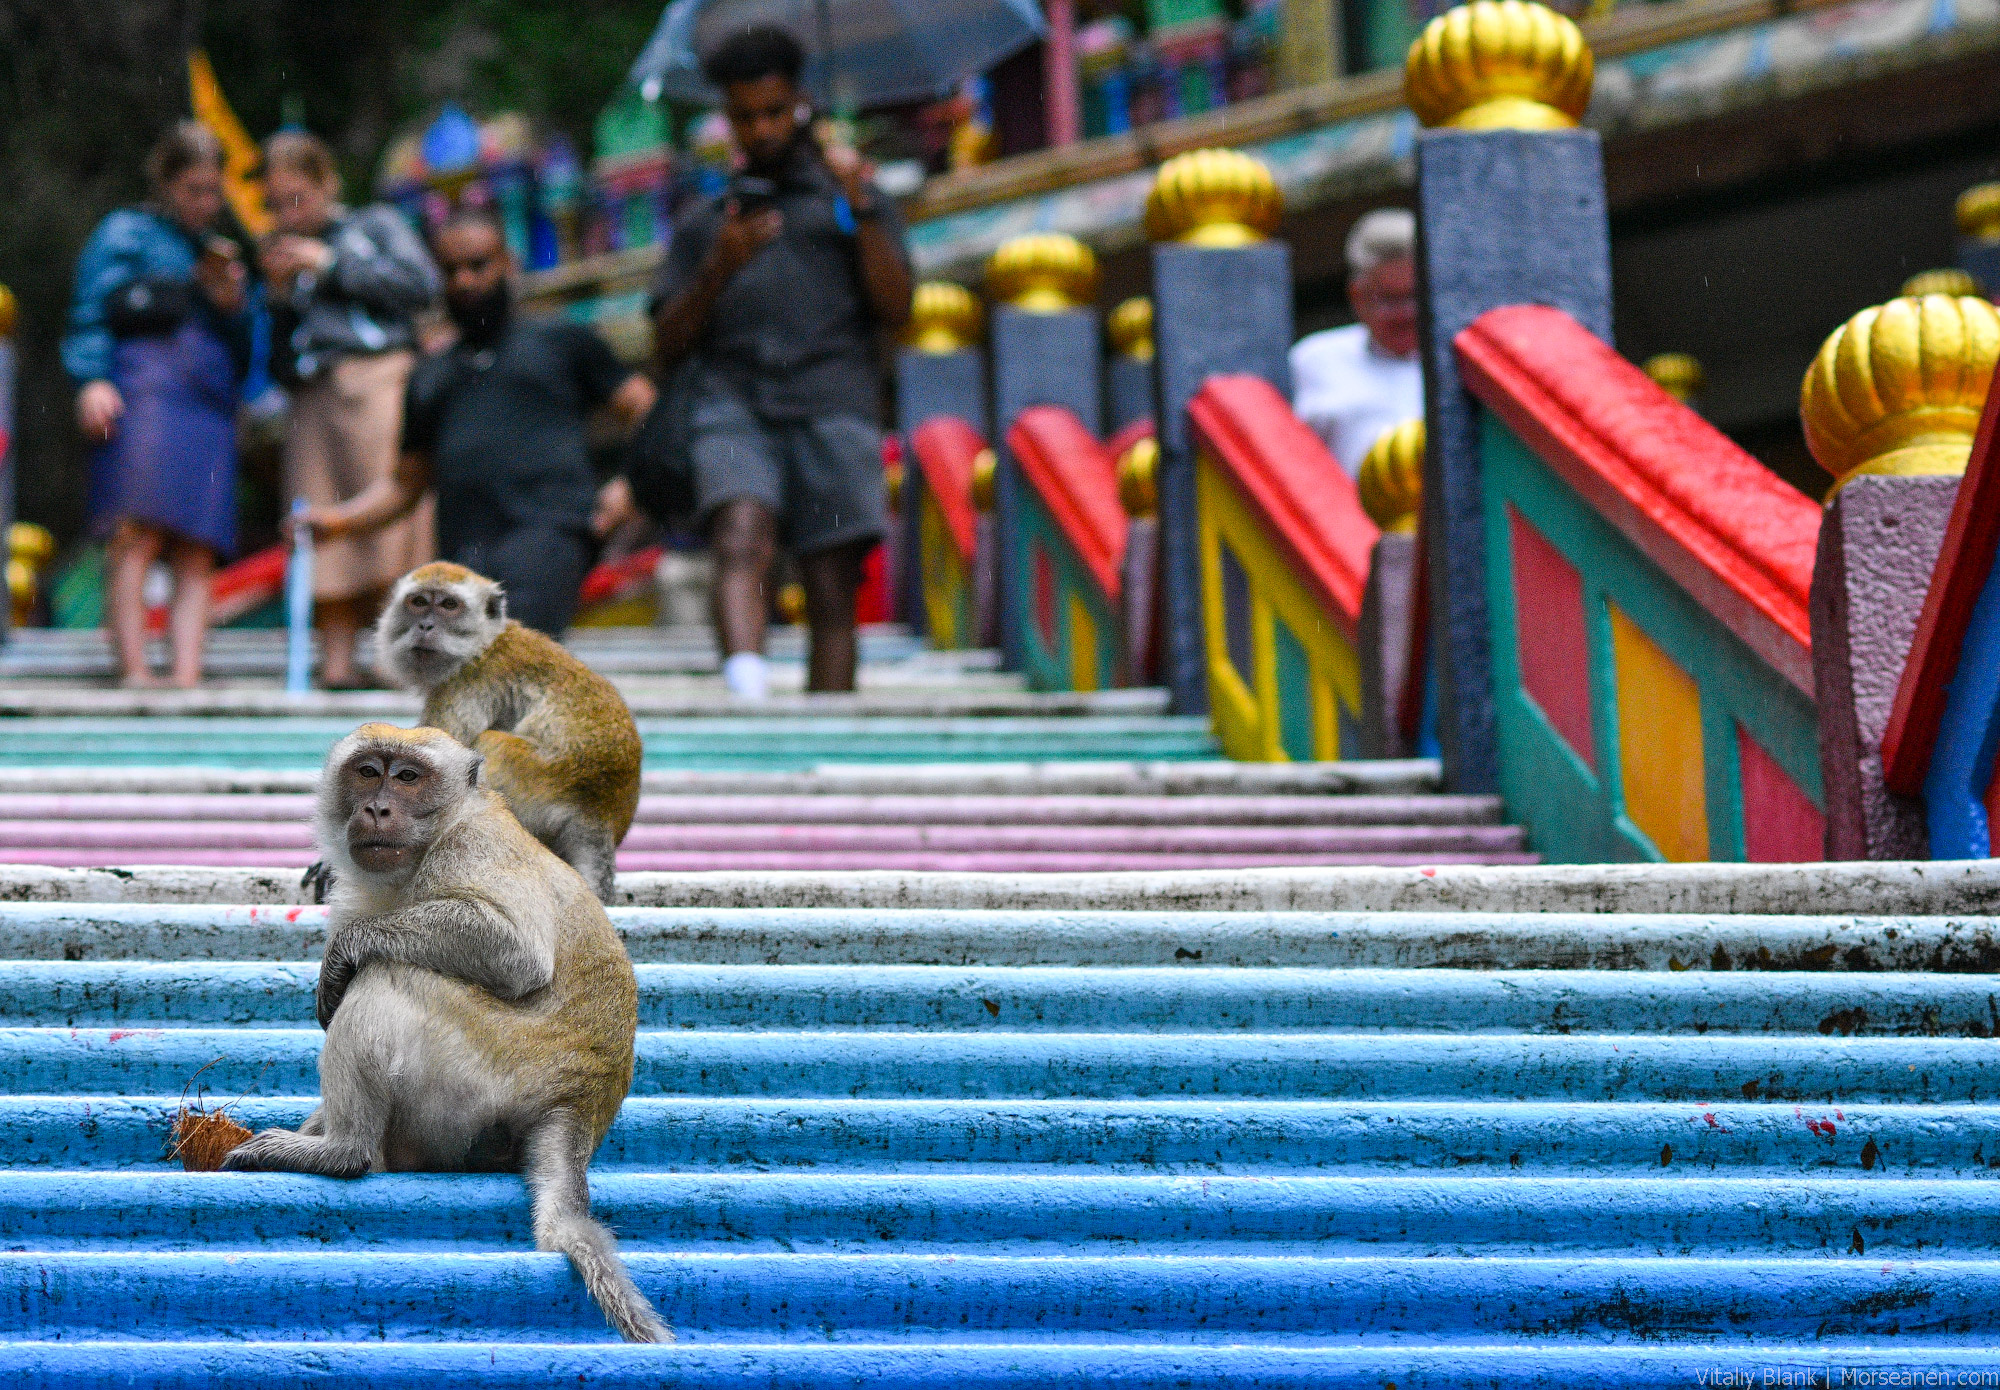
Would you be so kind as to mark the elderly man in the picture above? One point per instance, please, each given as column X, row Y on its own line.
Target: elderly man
column 1351, row 384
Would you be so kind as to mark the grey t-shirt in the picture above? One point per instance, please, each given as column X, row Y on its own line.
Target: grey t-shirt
column 792, row 334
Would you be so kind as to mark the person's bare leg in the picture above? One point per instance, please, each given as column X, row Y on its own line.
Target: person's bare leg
column 187, row 622
column 127, row 556
column 339, row 621
column 743, row 538
column 831, row 578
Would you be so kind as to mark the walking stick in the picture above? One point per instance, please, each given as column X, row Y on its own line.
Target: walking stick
column 299, row 605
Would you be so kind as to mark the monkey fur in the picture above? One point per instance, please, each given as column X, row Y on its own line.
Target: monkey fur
column 479, row 1008
column 559, row 742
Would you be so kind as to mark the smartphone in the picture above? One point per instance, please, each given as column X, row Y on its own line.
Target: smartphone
column 752, row 194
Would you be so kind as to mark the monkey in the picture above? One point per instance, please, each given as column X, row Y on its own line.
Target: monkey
column 479, row 1007
column 559, row 742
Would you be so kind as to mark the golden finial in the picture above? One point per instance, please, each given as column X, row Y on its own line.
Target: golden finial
column 1898, row 388
column 1676, row 373
column 1043, row 273
column 944, row 318
column 1392, row 477
column 1130, row 328
column 1978, row 212
column 1213, row 198
column 6, row 312
column 984, row 465
column 29, row 548
column 1499, row 64
column 1138, row 471
column 1950, row 280
column 792, row 603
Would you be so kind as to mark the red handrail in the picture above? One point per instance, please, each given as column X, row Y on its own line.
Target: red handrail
column 1077, row 479
column 946, row 449
column 1723, row 526
column 1309, row 506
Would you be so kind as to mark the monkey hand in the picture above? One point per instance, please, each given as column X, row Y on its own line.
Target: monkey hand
column 318, row 880
column 336, row 973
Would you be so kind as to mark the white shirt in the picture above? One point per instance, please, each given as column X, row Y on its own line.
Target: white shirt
column 1351, row 392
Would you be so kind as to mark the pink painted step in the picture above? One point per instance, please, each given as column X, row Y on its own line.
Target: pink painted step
column 932, row 861
column 1296, row 811
column 849, row 839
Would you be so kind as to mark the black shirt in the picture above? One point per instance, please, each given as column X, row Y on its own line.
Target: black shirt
column 503, row 425
column 792, row 334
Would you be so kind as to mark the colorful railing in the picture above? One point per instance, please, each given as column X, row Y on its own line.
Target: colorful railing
column 1283, row 548
column 1070, row 553
column 1647, row 585
column 948, row 453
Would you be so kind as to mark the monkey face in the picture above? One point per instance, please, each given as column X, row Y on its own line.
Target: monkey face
column 437, row 627
column 395, row 798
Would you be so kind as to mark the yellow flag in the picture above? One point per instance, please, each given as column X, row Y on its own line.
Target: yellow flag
column 239, row 184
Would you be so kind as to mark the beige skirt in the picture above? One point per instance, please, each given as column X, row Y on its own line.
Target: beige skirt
column 345, row 431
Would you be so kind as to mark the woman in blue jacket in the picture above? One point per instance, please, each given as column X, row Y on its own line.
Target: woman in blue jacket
column 158, row 344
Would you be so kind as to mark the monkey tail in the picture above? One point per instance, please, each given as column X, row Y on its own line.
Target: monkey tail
column 557, row 1152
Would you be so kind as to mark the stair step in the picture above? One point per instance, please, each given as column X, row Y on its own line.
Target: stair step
column 1047, row 1212
column 988, row 1364
column 1132, row 1000
column 529, row 1296
column 1262, row 1137
column 1703, row 944
column 1105, row 777
column 1167, row 814
column 955, row 1066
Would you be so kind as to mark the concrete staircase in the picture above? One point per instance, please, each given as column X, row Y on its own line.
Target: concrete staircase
column 887, row 1147
column 939, row 763
column 1247, row 1118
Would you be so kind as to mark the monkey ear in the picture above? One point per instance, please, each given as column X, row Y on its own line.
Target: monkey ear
column 496, row 606
column 475, row 769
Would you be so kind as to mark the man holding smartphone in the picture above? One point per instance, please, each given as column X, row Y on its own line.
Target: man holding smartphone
column 771, row 299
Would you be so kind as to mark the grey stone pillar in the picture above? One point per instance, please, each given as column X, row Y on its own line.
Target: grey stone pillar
column 1878, row 545
column 1503, row 217
column 1216, row 310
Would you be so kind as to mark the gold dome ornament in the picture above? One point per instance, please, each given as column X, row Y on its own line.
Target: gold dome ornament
column 1951, row 280
column 1130, row 329
column 944, row 318
column 1676, row 373
column 1897, row 390
column 1138, row 477
column 1213, row 198
column 985, row 464
column 1978, row 212
column 1392, row 477
column 1042, row 273
column 29, row 549
column 1500, row 65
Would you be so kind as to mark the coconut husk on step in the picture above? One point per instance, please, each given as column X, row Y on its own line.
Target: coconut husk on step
column 202, row 1137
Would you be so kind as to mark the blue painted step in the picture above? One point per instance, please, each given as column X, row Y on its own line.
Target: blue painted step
column 1138, row 999
column 988, row 1149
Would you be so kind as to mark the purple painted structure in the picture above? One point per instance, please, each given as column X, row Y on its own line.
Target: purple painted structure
column 1877, row 546
column 1942, row 734
column 974, row 833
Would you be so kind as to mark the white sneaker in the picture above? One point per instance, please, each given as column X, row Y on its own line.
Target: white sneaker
column 747, row 676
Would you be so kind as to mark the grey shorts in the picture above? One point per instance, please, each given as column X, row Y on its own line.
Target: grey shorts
column 822, row 477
